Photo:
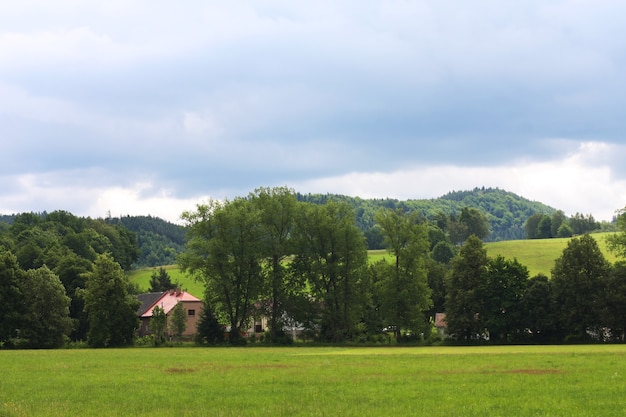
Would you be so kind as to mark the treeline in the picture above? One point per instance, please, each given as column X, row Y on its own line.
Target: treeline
column 304, row 266
column 542, row 226
column 46, row 260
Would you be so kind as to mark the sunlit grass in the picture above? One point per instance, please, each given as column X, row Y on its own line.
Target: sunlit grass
column 539, row 254
column 142, row 278
column 304, row 381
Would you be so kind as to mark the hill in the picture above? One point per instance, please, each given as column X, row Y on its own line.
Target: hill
column 538, row 255
column 507, row 212
column 159, row 240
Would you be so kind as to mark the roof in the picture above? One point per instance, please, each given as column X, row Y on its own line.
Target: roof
column 147, row 300
column 166, row 300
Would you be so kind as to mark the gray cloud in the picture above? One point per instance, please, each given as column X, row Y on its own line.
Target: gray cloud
column 201, row 98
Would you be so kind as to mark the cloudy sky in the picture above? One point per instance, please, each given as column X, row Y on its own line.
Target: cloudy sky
column 152, row 106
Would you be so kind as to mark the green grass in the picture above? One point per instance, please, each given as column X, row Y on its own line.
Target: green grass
column 302, row 381
column 142, row 278
column 539, row 254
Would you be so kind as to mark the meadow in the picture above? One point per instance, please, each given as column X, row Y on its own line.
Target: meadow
column 316, row 381
column 539, row 254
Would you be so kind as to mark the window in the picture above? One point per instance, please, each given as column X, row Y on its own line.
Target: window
column 191, row 312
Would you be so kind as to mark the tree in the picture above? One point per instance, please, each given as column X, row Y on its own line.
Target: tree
column 46, row 322
column 615, row 298
column 502, row 293
column 178, row 321
column 464, row 304
column 158, row 324
column 11, row 307
column 578, row 280
column 476, row 222
column 160, row 281
column 224, row 251
column 111, row 309
column 581, row 224
column 331, row 255
column 209, row 330
column 277, row 209
column 403, row 290
column 532, row 225
column 617, row 241
column 544, row 228
column 558, row 219
column 564, row 230
column 537, row 304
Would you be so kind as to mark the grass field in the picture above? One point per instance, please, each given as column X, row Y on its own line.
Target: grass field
column 539, row 254
column 303, row 381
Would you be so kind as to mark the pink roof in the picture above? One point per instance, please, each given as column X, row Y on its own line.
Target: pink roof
column 168, row 301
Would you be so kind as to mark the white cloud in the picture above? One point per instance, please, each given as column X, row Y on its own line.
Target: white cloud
column 580, row 181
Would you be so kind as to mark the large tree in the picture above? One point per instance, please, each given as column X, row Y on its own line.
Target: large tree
column 464, row 303
column 331, row 254
column 615, row 299
column 403, row 289
column 538, row 307
column 110, row 307
column 224, row 252
column 277, row 210
column 11, row 307
column 578, row 284
column 46, row 322
column 502, row 292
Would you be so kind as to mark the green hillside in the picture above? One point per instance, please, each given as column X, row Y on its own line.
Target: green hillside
column 539, row 254
column 142, row 278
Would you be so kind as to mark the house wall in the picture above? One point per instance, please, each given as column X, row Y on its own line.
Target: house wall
column 193, row 311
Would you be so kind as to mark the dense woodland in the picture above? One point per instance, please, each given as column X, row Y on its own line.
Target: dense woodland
column 301, row 261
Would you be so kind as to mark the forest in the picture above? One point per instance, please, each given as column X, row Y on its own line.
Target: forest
column 301, row 261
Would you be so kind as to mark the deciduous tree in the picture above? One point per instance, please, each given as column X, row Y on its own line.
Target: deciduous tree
column 178, row 321
column 46, row 322
column 111, row 309
column 404, row 294
column 158, row 324
column 277, row 210
column 224, row 251
column 11, row 307
column 464, row 303
column 502, row 293
column 332, row 256
column 578, row 279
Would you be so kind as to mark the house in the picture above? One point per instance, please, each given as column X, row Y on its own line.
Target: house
column 167, row 300
column 440, row 324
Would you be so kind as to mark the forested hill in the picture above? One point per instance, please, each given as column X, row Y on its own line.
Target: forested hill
column 159, row 240
column 507, row 212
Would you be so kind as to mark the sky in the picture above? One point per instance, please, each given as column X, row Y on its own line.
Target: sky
column 150, row 107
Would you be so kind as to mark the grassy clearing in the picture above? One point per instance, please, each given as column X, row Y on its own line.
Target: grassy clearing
column 539, row 254
column 300, row 381
column 142, row 278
